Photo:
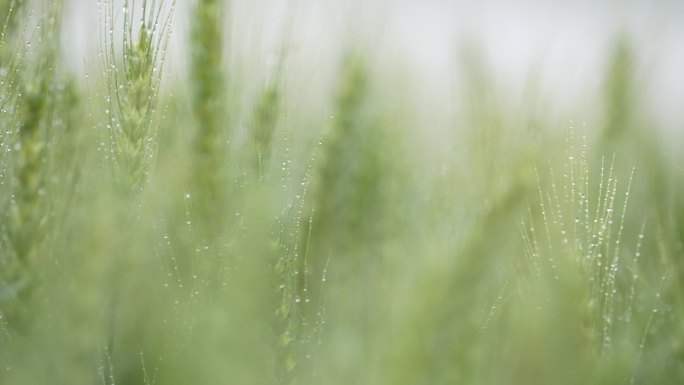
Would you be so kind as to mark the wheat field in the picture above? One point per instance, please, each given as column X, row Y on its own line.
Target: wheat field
column 213, row 192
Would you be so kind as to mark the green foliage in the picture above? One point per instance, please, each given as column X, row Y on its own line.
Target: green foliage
column 366, row 238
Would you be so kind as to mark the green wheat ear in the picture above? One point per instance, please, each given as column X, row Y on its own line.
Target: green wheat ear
column 209, row 157
column 578, row 260
column 26, row 214
column 264, row 123
column 36, row 86
column 350, row 178
column 619, row 93
column 30, row 213
column 133, row 78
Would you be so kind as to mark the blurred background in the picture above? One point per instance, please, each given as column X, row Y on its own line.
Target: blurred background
column 558, row 48
column 342, row 192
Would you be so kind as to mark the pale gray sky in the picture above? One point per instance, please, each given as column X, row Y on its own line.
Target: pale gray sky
column 564, row 43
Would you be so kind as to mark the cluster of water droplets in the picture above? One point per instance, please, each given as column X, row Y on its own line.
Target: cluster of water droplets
column 586, row 228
